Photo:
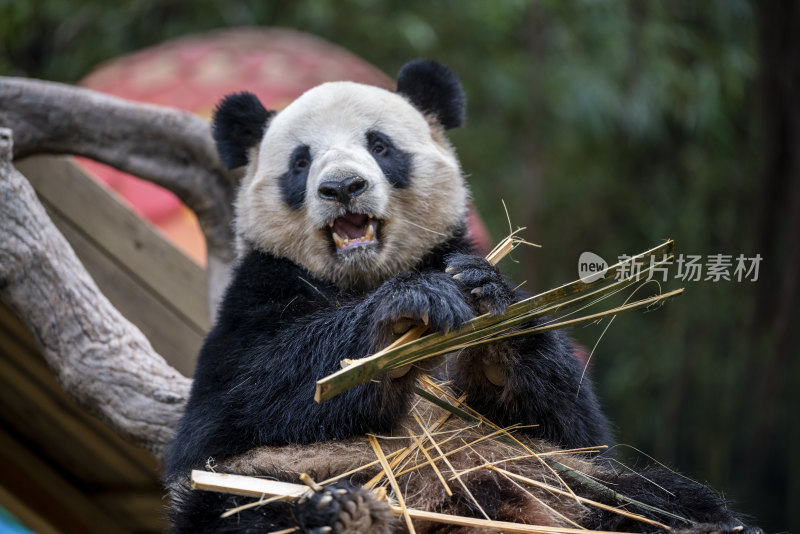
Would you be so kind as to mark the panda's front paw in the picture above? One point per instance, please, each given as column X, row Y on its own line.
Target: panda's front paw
column 487, row 289
column 344, row 509
column 433, row 299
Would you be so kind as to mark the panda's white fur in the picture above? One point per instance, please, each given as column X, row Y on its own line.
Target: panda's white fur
column 331, row 119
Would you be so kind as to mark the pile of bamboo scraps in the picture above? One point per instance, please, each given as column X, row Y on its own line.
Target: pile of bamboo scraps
column 471, row 460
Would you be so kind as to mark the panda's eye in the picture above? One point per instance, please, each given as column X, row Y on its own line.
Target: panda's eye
column 301, row 164
column 379, row 148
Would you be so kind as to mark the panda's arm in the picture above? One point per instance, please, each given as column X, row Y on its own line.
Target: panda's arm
column 255, row 379
column 536, row 380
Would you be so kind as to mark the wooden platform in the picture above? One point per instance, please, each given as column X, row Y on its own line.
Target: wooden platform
column 62, row 470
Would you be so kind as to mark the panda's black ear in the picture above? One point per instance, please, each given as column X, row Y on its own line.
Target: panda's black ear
column 434, row 90
column 238, row 125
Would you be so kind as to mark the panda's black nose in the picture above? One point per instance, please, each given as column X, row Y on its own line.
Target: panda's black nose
column 342, row 190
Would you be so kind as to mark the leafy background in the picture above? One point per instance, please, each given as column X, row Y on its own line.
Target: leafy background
column 606, row 126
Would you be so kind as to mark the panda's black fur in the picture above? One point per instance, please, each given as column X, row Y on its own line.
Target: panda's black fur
column 289, row 317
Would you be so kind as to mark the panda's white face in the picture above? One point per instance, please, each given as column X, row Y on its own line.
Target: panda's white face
column 353, row 183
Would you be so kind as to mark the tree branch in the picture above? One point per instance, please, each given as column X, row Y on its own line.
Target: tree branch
column 168, row 147
column 100, row 359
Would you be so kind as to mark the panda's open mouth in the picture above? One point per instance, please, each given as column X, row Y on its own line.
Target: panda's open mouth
column 354, row 230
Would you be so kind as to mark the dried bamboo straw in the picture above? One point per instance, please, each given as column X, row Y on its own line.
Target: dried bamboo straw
column 399, row 494
column 258, row 487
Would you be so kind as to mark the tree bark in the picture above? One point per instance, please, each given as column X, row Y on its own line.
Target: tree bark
column 99, row 358
column 168, row 147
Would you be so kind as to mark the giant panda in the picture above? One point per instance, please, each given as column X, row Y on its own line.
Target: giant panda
column 350, row 223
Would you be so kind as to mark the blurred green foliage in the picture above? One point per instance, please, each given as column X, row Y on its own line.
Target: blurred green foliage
column 606, row 126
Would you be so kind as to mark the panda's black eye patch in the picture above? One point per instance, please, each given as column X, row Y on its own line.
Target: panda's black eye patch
column 293, row 181
column 395, row 164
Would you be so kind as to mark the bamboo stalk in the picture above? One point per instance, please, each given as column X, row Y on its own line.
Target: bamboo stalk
column 485, row 336
column 365, row 369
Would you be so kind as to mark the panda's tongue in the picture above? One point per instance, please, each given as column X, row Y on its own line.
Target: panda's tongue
column 353, row 230
column 351, row 225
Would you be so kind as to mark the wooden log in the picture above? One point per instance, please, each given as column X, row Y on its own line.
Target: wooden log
column 99, row 358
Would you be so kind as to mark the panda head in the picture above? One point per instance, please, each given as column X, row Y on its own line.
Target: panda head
column 353, row 182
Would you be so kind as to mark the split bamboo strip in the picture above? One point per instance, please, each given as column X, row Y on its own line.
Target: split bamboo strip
column 358, row 469
column 431, row 463
column 243, row 485
column 556, row 325
column 532, row 496
column 255, row 504
column 449, row 465
column 306, row 479
column 404, row 453
column 448, row 453
column 610, row 493
column 365, row 369
column 548, row 487
column 398, row 494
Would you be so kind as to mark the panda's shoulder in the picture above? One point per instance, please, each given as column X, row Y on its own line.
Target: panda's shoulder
column 460, row 242
column 260, row 271
column 261, row 281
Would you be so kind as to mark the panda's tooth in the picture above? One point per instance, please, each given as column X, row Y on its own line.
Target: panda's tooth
column 370, row 235
column 330, row 224
column 338, row 240
column 370, row 215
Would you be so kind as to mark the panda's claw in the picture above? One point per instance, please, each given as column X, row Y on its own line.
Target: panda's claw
column 433, row 299
column 324, row 501
column 425, row 318
column 487, row 289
